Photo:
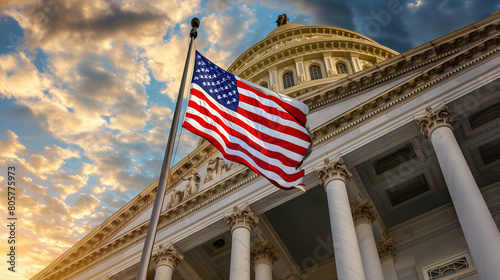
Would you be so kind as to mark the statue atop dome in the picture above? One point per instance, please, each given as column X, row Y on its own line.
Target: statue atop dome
column 282, row 20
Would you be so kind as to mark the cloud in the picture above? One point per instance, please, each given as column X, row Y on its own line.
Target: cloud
column 50, row 161
column 10, row 147
column 19, row 78
column 85, row 205
column 160, row 116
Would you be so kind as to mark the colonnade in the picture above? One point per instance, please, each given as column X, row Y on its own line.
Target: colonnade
column 357, row 255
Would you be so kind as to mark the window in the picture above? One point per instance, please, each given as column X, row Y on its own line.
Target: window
column 288, row 80
column 264, row 84
column 455, row 267
column 341, row 68
column 485, row 116
column 407, row 190
column 315, row 72
column 490, row 152
column 395, row 159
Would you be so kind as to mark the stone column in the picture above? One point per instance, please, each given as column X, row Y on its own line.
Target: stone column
column 333, row 176
column 241, row 222
column 386, row 254
column 263, row 255
column 299, row 65
column 165, row 260
column 480, row 231
column 364, row 214
column 273, row 79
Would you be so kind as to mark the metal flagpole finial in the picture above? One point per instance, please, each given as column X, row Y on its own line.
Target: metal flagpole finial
column 195, row 23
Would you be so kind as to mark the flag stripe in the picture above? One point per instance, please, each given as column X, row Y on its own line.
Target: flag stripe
column 263, row 161
column 257, row 128
column 275, row 181
column 299, row 113
column 267, row 105
column 230, row 149
column 289, row 149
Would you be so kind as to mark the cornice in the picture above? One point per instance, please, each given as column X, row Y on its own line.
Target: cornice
column 442, row 69
column 290, row 50
column 401, row 64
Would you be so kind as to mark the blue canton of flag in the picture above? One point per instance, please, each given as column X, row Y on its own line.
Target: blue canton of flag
column 218, row 83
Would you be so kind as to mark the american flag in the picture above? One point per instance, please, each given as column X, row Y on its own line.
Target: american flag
column 249, row 124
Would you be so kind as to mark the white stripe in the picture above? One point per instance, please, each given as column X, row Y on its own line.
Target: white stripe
column 266, row 145
column 293, row 102
column 271, row 117
column 271, row 160
column 267, row 173
column 255, row 125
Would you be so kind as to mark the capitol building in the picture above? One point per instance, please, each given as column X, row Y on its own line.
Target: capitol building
column 403, row 181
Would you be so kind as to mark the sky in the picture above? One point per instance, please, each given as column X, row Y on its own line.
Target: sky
column 87, row 91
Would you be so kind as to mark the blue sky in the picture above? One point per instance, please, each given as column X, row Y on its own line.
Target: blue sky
column 87, row 90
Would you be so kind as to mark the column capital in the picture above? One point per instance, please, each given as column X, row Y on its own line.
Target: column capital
column 244, row 217
column 333, row 170
column 167, row 255
column 385, row 248
column 434, row 119
column 264, row 252
column 363, row 211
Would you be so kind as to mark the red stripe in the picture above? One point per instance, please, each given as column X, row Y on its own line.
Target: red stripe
column 233, row 146
column 257, row 133
column 274, row 125
column 268, row 109
column 231, row 157
column 284, row 159
column 294, row 111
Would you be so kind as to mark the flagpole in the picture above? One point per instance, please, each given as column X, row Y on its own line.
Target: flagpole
column 162, row 184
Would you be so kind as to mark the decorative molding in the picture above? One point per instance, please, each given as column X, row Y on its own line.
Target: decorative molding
column 385, row 248
column 263, row 252
column 363, row 211
column 333, row 170
column 167, row 255
column 216, row 167
column 244, row 217
column 386, row 100
column 434, row 119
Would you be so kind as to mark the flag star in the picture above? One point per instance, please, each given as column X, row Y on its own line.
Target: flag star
column 219, row 97
column 234, row 99
column 204, row 83
column 224, row 95
column 229, row 102
column 211, row 91
column 213, row 84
